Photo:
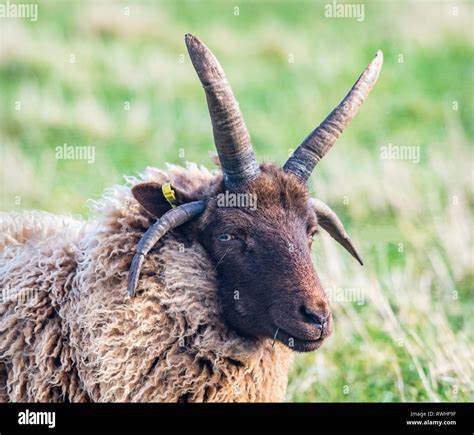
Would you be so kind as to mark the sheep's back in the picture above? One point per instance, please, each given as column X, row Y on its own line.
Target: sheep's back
column 37, row 262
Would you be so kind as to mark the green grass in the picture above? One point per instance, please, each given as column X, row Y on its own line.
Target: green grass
column 411, row 339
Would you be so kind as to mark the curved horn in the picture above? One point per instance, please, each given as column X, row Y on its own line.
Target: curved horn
column 171, row 219
column 230, row 133
column 329, row 221
column 321, row 139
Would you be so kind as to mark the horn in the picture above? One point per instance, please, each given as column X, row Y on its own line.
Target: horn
column 321, row 139
column 171, row 219
column 230, row 133
column 329, row 221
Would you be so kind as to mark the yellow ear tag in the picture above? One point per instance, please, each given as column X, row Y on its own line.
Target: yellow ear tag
column 168, row 192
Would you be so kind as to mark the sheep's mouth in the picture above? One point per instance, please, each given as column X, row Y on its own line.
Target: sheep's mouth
column 298, row 344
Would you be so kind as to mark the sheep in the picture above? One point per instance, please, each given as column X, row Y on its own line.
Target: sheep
column 74, row 336
column 221, row 295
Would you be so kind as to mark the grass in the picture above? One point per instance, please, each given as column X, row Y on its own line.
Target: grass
column 86, row 73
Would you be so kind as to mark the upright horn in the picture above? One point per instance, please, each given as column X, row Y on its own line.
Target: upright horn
column 323, row 137
column 230, row 133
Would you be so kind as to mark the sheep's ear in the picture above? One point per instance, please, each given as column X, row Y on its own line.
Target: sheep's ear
column 152, row 199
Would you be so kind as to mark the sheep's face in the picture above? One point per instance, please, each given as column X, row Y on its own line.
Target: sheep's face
column 259, row 239
column 258, row 231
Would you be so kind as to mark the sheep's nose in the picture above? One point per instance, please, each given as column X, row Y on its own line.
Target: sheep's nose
column 317, row 318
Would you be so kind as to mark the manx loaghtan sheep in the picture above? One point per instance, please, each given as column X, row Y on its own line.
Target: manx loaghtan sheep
column 221, row 294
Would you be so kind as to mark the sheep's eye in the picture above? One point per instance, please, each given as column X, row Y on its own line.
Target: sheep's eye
column 225, row 237
column 312, row 234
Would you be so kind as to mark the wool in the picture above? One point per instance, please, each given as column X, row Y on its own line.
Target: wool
column 69, row 332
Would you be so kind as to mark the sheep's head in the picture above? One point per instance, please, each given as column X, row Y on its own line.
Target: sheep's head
column 257, row 222
column 262, row 251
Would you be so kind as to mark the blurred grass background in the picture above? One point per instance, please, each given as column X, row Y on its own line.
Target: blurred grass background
column 116, row 76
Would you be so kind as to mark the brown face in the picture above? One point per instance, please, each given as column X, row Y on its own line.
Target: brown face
column 260, row 241
column 261, row 247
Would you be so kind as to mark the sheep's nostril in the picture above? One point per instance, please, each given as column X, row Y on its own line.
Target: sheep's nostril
column 319, row 319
